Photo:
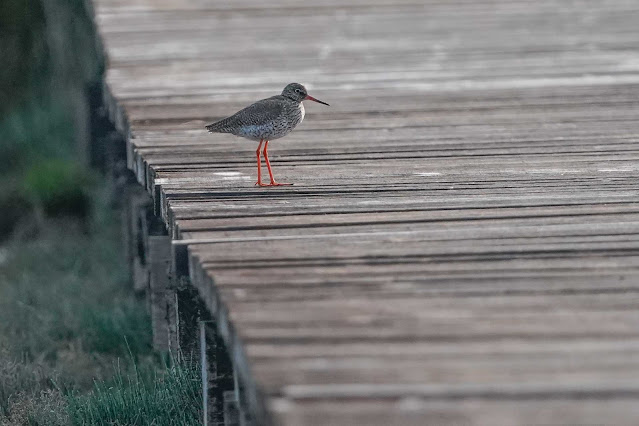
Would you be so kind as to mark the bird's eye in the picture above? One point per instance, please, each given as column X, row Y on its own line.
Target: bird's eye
column 298, row 91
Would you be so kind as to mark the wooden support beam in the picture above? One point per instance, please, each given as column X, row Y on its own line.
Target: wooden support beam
column 189, row 311
column 217, row 377
column 137, row 202
column 160, row 291
column 244, row 412
column 231, row 409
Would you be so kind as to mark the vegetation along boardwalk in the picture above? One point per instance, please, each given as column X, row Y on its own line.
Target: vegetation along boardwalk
column 461, row 246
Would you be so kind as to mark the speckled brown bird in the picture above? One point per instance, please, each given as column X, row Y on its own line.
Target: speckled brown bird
column 265, row 120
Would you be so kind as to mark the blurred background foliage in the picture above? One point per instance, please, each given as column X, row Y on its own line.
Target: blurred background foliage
column 75, row 343
column 51, row 55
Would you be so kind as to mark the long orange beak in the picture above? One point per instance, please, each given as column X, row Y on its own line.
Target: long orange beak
column 310, row 98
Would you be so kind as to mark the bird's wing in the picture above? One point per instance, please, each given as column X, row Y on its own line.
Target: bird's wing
column 259, row 113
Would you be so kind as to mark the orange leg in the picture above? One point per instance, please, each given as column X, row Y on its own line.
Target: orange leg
column 268, row 165
column 259, row 166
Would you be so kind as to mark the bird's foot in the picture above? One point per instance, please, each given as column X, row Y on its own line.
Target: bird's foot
column 258, row 183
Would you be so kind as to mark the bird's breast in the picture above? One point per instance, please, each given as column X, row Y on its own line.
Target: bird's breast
column 302, row 112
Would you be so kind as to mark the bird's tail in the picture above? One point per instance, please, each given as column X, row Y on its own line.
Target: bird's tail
column 218, row 127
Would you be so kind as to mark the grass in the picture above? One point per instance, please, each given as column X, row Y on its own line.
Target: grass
column 53, row 291
column 172, row 398
column 75, row 342
column 161, row 397
column 21, row 385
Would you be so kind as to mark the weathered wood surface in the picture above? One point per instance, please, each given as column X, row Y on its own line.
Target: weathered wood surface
column 462, row 242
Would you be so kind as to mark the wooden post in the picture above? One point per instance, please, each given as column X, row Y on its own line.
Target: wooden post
column 189, row 312
column 207, row 376
column 177, row 276
column 160, row 292
column 217, row 378
column 188, row 309
column 231, row 409
column 172, row 320
column 139, row 204
column 243, row 411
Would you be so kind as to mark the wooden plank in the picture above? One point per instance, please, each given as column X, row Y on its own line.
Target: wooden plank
column 550, row 371
column 414, row 411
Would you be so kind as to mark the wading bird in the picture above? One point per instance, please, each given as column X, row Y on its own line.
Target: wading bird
column 265, row 120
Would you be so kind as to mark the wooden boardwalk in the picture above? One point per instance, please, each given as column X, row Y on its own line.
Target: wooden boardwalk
column 461, row 246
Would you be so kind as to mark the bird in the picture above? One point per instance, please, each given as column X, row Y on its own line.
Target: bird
column 265, row 120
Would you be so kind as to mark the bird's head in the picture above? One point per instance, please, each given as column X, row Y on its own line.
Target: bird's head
column 298, row 93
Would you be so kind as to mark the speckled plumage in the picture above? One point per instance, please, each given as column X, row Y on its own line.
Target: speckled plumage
column 268, row 119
